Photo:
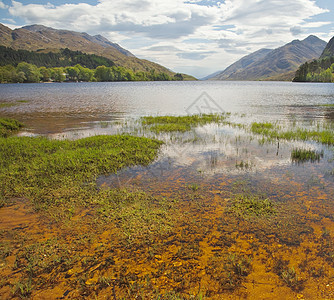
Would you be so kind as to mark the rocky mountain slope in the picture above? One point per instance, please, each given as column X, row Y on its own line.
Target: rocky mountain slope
column 329, row 50
column 266, row 64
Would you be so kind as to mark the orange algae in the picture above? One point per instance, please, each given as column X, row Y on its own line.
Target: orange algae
column 209, row 252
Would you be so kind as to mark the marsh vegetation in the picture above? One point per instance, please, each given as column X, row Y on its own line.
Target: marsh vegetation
column 175, row 227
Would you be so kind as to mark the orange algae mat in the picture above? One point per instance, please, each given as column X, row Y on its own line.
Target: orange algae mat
column 209, row 253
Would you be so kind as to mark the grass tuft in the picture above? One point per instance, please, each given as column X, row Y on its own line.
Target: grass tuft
column 160, row 124
column 273, row 132
column 303, row 155
column 9, row 126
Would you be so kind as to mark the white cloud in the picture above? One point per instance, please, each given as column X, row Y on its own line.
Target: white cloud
column 3, row 5
column 221, row 31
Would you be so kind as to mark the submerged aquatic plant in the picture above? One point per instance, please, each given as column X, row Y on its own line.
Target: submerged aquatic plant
column 252, row 205
column 229, row 270
column 23, row 289
column 290, row 277
column 193, row 186
column 287, row 274
column 10, row 104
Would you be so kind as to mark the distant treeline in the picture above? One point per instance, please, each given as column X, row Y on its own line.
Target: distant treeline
column 18, row 66
column 63, row 58
column 25, row 72
column 319, row 70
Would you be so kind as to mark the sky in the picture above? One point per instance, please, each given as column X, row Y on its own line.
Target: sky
column 196, row 37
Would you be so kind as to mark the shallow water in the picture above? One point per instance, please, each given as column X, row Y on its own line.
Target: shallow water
column 203, row 169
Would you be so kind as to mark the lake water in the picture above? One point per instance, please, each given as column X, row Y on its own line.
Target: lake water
column 54, row 108
column 214, row 162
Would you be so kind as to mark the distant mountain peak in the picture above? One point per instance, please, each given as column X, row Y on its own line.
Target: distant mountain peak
column 312, row 38
column 99, row 39
column 36, row 28
column 265, row 63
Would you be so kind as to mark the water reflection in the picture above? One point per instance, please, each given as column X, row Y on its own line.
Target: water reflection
column 211, row 151
column 75, row 103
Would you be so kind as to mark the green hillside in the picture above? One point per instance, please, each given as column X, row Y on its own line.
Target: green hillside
column 61, row 58
column 19, row 66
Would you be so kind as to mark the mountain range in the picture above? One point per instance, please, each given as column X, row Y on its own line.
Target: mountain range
column 274, row 64
column 45, row 39
column 264, row 64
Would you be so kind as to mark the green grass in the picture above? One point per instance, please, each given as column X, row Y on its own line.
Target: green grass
column 303, row 155
column 10, row 104
column 158, row 128
column 9, row 126
column 59, row 175
column 7, row 104
column 180, row 123
column 327, row 105
column 273, row 132
column 252, row 205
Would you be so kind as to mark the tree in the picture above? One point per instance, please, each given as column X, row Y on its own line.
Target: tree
column 45, row 74
column 73, row 73
column 102, row 73
column 30, row 71
column 58, row 74
column 178, row 76
column 326, row 76
column 141, row 76
column 85, row 74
